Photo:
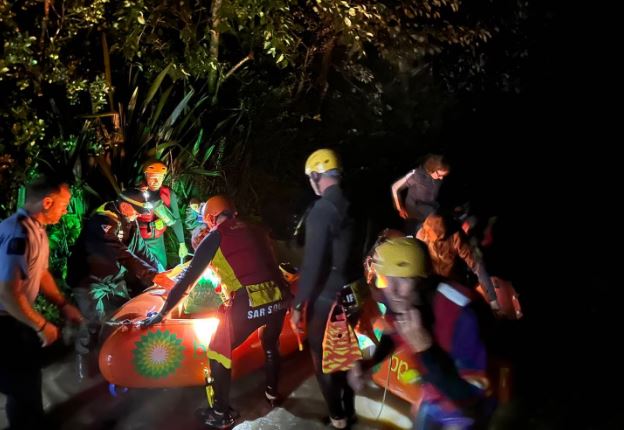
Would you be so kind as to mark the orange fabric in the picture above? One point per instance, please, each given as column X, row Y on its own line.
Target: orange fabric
column 340, row 344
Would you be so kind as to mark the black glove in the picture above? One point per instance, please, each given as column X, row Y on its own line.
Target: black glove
column 152, row 318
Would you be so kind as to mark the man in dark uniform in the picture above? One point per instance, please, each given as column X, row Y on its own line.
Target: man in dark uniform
column 110, row 260
column 254, row 295
column 329, row 264
column 24, row 273
column 164, row 212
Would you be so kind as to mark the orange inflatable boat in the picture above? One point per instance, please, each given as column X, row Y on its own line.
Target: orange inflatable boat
column 172, row 353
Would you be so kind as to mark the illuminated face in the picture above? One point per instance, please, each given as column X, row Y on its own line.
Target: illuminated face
column 154, row 180
column 210, row 220
column 400, row 293
column 440, row 174
column 54, row 206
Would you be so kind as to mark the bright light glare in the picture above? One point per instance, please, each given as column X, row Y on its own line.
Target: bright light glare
column 211, row 276
column 204, row 329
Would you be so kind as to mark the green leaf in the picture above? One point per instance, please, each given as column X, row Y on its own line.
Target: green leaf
column 99, row 307
column 98, row 294
column 178, row 110
column 160, row 106
column 155, row 85
column 207, row 154
column 132, row 103
column 198, row 171
column 90, row 190
column 198, row 141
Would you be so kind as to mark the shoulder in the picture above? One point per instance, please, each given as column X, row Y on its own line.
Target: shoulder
column 12, row 235
column 12, row 226
column 323, row 209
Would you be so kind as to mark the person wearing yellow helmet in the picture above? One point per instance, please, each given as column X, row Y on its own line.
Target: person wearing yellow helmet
column 163, row 213
column 436, row 320
column 329, row 264
column 254, row 293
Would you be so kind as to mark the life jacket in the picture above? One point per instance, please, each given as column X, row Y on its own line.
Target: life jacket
column 150, row 226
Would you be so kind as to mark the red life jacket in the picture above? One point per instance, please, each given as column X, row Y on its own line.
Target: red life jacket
column 244, row 256
column 150, row 225
column 449, row 303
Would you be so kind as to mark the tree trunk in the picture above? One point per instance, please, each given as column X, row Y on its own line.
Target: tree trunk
column 325, row 66
column 213, row 73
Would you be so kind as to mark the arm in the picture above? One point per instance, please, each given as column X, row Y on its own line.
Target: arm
column 50, row 289
column 396, row 189
column 468, row 352
column 175, row 210
column 16, row 303
column 203, row 256
column 112, row 248
column 316, row 242
column 140, row 249
column 440, row 371
column 357, row 374
column 13, row 269
column 386, row 347
column 464, row 250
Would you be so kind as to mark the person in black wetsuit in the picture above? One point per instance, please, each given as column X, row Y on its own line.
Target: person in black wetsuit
column 329, row 264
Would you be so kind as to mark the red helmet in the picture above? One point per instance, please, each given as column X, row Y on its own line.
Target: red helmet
column 217, row 205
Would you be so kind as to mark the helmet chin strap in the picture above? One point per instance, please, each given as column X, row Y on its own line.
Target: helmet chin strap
column 315, row 179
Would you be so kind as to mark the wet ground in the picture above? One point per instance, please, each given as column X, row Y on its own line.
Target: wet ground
column 87, row 404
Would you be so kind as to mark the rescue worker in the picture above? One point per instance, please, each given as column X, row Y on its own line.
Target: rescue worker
column 194, row 215
column 109, row 263
column 436, row 320
column 423, row 186
column 451, row 253
column 329, row 264
column 164, row 213
column 254, row 295
column 24, row 273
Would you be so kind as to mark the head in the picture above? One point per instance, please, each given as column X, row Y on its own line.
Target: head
column 400, row 265
column 323, row 169
column 435, row 227
column 218, row 209
column 194, row 204
column 155, row 173
column 47, row 200
column 437, row 166
column 131, row 203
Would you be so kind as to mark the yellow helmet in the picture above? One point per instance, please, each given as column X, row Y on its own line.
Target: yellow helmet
column 155, row 167
column 322, row 161
column 401, row 257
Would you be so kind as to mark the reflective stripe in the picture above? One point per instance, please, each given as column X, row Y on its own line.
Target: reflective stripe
column 453, row 295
